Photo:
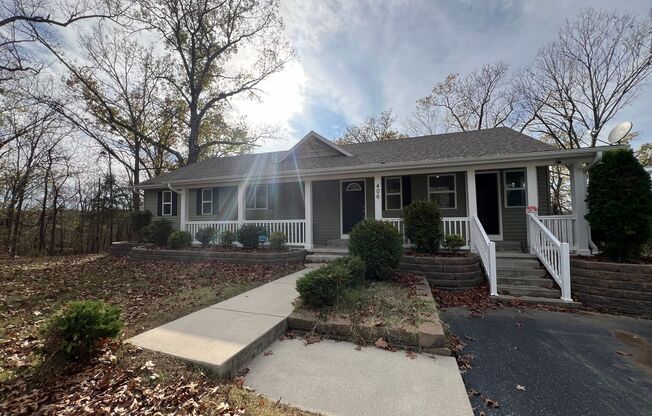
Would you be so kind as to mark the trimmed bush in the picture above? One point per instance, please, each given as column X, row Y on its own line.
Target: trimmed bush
column 248, row 234
column 277, row 241
column 205, row 236
column 227, row 238
column 158, row 232
column 422, row 221
column 319, row 288
column 619, row 204
column 180, row 239
column 353, row 267
column 77, row 328
column 453, row 242
column 379, row 246
column 139, row 220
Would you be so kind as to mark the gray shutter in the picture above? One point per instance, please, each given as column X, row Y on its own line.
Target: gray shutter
column 174, row 203
column 198, row 201
column 159, row 203
column 216, row 200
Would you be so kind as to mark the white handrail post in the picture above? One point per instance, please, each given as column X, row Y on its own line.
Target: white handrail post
column 493, row 284
column 565, row 273
column 308, row 214
column 241, row 202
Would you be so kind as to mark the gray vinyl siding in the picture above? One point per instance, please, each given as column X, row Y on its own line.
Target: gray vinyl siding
column 227, row 205
column 151, row 201
column 326, row 211
column 513, row 219
column 284, row 202
column 419, row 191
column 543, row 188
column 315, row 148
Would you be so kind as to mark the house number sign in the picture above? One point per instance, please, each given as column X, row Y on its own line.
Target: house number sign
column 378, row 191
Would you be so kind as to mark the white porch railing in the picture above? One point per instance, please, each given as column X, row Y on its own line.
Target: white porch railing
column 219, row 226
column 562, row 227
column 294, row 230
column 554, row 254
column 450, row 225
column 487, row 251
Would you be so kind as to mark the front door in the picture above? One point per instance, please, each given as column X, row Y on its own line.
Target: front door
column 488, row 199
column 353, row 205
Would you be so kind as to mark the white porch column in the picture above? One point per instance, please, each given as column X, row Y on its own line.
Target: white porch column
column 531, row 186
column 307, row 203
column 183, row 212
column 578, row 200
column 471, row 203
column 378, row 197
column 241, row 202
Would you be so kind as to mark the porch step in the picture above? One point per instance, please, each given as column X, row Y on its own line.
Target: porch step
column 529, row 291
column 517, row 263
column 514, row 246
column 502, row 271
column 337, row 243
column 541, row 301
column 515, row 255
column 525, row 281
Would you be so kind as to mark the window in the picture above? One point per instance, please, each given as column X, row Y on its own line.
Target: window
column 256, row 197
column 207, row 201
column 393, row 193
column 167, row 203
column 441, row 189
column 515, row 188
column 353, row 187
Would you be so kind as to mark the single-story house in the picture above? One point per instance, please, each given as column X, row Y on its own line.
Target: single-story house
column 487, row 183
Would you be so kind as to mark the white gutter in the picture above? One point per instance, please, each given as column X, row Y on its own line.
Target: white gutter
column 525, row 157
column 598, row 159
column 179, row 191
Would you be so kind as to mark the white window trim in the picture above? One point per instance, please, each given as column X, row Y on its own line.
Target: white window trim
column 203, row 201
column 256, row 207
column 454, row 191
column 163, row 204
column 399, row 193
column 505, row 189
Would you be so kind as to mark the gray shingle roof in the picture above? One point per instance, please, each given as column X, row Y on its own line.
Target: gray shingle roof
column 498, row 141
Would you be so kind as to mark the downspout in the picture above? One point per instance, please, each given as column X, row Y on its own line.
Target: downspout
column 172, row 189
column 595, row 161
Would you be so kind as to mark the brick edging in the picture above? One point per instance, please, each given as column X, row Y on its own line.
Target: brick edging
column 450, row 273
column 292, row 256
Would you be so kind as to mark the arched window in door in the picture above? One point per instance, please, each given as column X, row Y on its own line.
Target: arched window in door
column 353, row 187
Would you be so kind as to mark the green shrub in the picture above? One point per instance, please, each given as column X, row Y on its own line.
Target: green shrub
column 76, row 329
column 205, row 236
column 379, row 245
column 453, row 242
column 139, row 220
column 422, row 221
column 619, row 203
column 248, row 234
column 354, row 268
column 319, row 288
column 227, row 238
column 180, row 239
column 277, row 241
column 158, row 232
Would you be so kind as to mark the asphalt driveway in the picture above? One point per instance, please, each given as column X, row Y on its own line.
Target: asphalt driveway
column 564, row 364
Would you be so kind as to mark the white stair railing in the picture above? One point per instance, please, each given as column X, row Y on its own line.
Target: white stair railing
column 486, row 249
column 554, row 254
column 561, row 226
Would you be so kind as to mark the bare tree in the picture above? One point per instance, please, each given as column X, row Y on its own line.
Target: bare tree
column 581, row 81
column 424, row 120
column 372, row 129
column 204, row 38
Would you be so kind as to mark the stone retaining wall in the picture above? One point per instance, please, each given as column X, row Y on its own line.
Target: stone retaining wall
column 614, row 287
column 122, row 248
column 292, row 256
column 450, row 273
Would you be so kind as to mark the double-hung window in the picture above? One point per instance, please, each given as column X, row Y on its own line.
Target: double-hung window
column 166, row 203
column 393, row 193
column 256, row 197
column 441, row 190
column 515, row 188
column 207, row 201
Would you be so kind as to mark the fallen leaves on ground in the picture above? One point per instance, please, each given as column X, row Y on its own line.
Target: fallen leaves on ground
column 519, row 387
column 411, row 355
column 624, row 353
column 381, row 343
column 491, row 403
column 476, row 299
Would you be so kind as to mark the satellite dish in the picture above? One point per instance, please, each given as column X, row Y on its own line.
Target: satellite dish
column 619, row 132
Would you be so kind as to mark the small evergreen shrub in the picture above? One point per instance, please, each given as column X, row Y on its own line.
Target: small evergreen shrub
column 248, row 234
column 205, row 236
column 158, row 232
column 180, row 239
column 422, row 221
column 319, row 288
column 227, row 238
column 453, row 242
column 379, row 245
column 354, row 268
column 77, row 328
column 139, row 220
column 277, row 241
column 619, row 203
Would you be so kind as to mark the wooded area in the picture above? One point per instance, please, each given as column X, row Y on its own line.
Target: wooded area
column 98, row 95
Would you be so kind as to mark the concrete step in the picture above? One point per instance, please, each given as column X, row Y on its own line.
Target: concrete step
column 322, row 258
column 514, row 255
column 514, row 246
column 520, row 291
column 337, row 243
column 518, row 263
column 541, row 301
column 526, row 281
column 519, row 272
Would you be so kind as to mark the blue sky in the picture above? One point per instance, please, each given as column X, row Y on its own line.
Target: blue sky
column 357, row 58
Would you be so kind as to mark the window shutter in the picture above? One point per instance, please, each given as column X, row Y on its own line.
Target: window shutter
column 159, row 203
column 406, row 188
column 216, row 200
column 271, row 195
column 174, row 203
column 198, row 201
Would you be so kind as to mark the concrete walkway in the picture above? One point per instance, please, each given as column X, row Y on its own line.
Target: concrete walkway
column 335, row 379
column 225, row 336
